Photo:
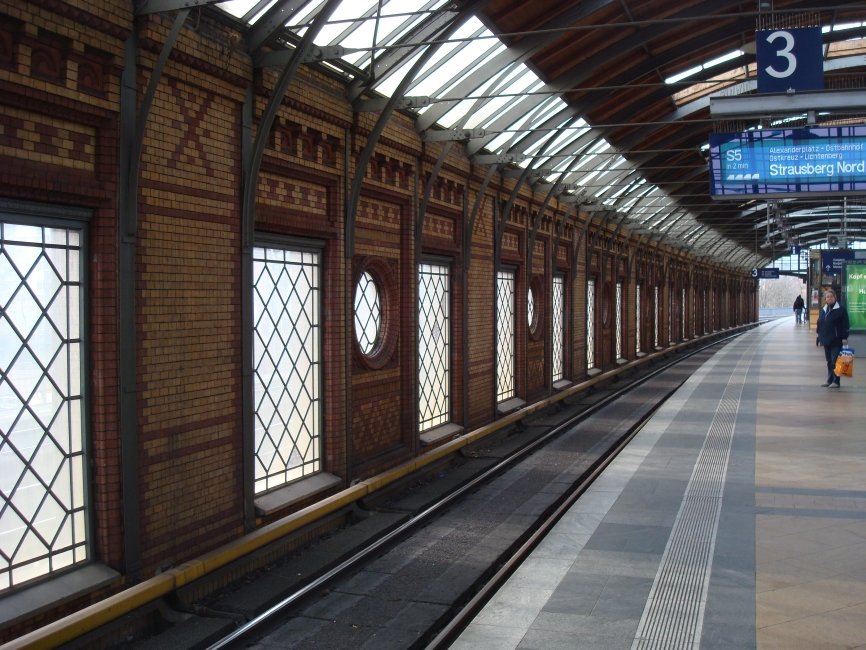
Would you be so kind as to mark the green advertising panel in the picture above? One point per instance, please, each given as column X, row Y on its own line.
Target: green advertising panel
column 855, row 295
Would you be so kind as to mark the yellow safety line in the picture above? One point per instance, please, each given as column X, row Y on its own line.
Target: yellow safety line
column 79, row 623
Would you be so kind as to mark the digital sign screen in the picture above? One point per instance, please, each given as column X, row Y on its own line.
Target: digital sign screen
column 855, row 295
column 785, row 162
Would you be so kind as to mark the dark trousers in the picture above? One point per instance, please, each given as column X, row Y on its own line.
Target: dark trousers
column 799, row 313
column 830, row 353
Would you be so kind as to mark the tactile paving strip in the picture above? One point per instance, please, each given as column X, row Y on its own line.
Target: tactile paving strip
column 673, row 613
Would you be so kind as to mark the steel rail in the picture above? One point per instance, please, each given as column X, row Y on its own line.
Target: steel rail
column 416, row 520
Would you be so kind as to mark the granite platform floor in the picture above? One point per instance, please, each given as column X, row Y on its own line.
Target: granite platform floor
column 735, row 519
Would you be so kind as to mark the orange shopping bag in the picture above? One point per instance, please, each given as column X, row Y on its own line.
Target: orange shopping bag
column 845, row 363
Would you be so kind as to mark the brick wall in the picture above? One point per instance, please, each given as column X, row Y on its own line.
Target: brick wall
column 60, row 67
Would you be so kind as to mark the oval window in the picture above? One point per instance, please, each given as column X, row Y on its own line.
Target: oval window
column 535, row 307
column 606, row 300
column 368, row 313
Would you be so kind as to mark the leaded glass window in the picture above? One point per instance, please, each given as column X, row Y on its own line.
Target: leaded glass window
column 504, row 335
column 287, row 365
column 43, row 470
column 590, row 324
column 670, row 314
column 618, row 308
column 656, row 316
column 557, row 326
column 434, row 346
column 368, row 313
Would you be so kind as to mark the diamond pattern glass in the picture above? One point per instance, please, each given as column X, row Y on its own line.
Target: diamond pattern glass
column 558, row 301
column 504, row 335
column 656, row 316
column 368, row 313
column 42, row 517
column 286, row 363
column 434, row 346
column 590, row 324
column 670, row 311
column 619, row 320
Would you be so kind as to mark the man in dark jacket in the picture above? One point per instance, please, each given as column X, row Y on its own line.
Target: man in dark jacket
column 833, row 330
column 798, row 308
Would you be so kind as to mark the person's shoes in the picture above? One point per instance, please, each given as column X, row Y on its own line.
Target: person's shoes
column 835, row 384
column 826, row 384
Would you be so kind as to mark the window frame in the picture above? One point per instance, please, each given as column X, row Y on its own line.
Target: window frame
column 591, row 298
column 72, row 219
column 384, row 348
column 448, row 265
column 509, row 391
column 557, row 318
column 287, row 243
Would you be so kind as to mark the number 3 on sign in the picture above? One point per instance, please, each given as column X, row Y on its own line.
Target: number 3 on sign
column 785, row 52
column 789, row 59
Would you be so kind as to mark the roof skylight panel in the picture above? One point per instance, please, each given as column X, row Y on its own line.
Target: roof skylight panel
column 507, row 133
column 389, row 84
column 632, row 191
column 246, row 10
column 477, row 52
column 560, row 159
column 436, row 78
column 484, row 108
column 647, row 217
column 502, row 96
column 377, row 30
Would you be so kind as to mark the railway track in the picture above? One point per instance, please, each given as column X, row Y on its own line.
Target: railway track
column 417, row 563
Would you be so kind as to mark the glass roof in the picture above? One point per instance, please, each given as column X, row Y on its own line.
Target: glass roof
column 472, row 81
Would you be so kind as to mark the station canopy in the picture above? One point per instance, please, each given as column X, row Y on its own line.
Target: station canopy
column 601, row 103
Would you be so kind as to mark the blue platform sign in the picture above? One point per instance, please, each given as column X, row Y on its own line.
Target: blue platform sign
column 789, row 59
column 786, row 162
column 766, row 273
column 833, row 261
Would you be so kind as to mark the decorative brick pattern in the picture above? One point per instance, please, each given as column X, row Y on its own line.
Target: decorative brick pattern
column 309, row 198
column 60, row 66
column 40, row 139
column 440, row 228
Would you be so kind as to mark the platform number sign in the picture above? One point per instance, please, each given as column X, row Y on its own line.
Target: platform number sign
column 766, row 273
column 789, row 59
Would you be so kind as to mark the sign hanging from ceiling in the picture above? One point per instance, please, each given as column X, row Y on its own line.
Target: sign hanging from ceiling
column 788, row 162
column 766, row 273
column 789, row 60
column 833, row 261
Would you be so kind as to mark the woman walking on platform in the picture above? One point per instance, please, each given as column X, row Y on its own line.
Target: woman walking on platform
column 833, row 330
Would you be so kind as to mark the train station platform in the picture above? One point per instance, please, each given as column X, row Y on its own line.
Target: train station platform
column 736, row 518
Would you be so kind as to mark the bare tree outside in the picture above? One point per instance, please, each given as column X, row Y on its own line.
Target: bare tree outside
column 780, row 293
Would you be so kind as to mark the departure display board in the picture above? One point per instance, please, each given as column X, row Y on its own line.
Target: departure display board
column 786, row 162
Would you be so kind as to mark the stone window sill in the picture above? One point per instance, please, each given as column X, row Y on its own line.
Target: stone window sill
column 54, row 592
column 510, row 406
column 440, row 433
column 294, row 493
